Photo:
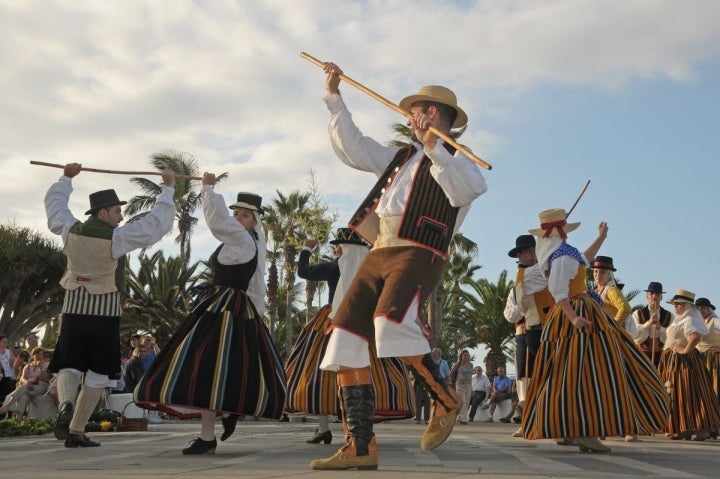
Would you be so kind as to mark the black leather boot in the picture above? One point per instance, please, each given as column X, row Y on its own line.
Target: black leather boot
column 360, row 448
column 229, row 424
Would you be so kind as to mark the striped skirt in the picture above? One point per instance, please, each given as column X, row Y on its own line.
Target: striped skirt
column 222, row 358
column 314, row 391
column 593, row 381
column 712, row 363
column 695, row 404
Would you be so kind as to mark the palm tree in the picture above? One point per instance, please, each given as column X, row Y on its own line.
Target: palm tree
column 158, row 297
column 484, row 302
column 187, row 195
column 30, row 294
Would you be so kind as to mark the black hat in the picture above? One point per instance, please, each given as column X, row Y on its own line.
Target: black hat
column 103, row 199
column 250, row 201
column 522, row 242
column 347, row 236
column 704, row 302
column 655, row 287
column 603, row 262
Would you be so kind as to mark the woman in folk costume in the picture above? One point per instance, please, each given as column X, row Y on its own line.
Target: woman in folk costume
column 709, row 345
column 315, row 391
column 591, row 378
column 615, row 302
column 695, row 407
column 329, row 271
column 222, row 358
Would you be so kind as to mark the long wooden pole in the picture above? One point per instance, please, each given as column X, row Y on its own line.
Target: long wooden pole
column 115, row 172
column 446, row 138
column 578, row 198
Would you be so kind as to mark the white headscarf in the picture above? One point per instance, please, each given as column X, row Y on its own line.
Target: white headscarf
column 256, row 288
column 544, row 247
column 353, row 255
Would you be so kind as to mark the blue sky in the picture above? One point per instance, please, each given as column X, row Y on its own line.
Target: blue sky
column 624, row 93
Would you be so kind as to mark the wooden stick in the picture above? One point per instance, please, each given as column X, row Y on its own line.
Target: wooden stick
column 578, row 198
column 446, row 138
column 115, row 172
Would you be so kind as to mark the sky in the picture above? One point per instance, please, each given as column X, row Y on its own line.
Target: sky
column 620, row 92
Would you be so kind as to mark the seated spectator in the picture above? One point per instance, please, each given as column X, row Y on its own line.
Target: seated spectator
column 514, row 406
column 480, row 389
column 501, row 390
column 23, row 356
column 134, row 369
column 33, row 382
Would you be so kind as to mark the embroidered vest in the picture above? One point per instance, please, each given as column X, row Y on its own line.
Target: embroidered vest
column 644, row 317
column 428, row 219
column 89, row 260
column 537, row 305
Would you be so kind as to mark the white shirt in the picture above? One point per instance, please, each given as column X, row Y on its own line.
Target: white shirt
column 126, row 238
column 457, row 175
column 480, row 384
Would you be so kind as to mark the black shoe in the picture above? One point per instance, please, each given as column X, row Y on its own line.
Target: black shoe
column 319, row 437
column 517, row 419
column 198, row 446
column 62, row 423
column 284, row 418
column 505, row 420
column 80, row 440
column 228, row 425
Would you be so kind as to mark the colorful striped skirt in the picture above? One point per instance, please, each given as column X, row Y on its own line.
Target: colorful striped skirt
column 712, row 363
column 222, row 358
column 695, row 405
column 593, row 381
column 314, row 391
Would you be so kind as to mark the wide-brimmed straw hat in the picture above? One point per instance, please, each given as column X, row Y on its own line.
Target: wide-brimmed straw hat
column 553, row 223
column 704, row 302
column 438, row 94
column 603, row 262
column 250, row 201
column 682, row 296
column 103, row 199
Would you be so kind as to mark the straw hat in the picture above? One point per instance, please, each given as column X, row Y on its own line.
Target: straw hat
column 438, row 94
column 682, row 296
column 553, row 223
column 250, row 201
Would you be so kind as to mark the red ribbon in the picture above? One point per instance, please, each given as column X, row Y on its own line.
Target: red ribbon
column 558, row 225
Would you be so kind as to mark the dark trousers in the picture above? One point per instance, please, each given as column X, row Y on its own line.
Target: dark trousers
column 422, row 403
column 475, row 400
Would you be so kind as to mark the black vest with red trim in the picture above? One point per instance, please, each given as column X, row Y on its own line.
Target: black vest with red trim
column 428, row 219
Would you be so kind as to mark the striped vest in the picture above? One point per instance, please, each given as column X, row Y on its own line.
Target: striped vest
column 428, row 220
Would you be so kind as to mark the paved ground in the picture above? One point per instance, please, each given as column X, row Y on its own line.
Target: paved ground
column 264, row 449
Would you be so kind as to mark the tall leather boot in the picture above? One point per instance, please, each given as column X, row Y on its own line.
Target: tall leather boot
column 358, row 411
column 445, row 403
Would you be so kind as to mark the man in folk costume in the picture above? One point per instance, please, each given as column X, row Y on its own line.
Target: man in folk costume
column 422, row 196
column 89, row 342
column 651, row 322
column 527, row 311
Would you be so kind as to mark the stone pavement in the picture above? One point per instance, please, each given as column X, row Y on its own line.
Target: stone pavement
column 268, row 449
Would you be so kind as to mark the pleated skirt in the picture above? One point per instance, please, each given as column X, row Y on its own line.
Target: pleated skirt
column 222, row 358
column 694, row 402
column 712, row 363
column 593, row 381
column 314, row 391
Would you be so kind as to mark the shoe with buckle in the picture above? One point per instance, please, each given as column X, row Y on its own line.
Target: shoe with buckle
column 80, row 440
column 229, row 424
column 198, row 447
column 62, row 423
